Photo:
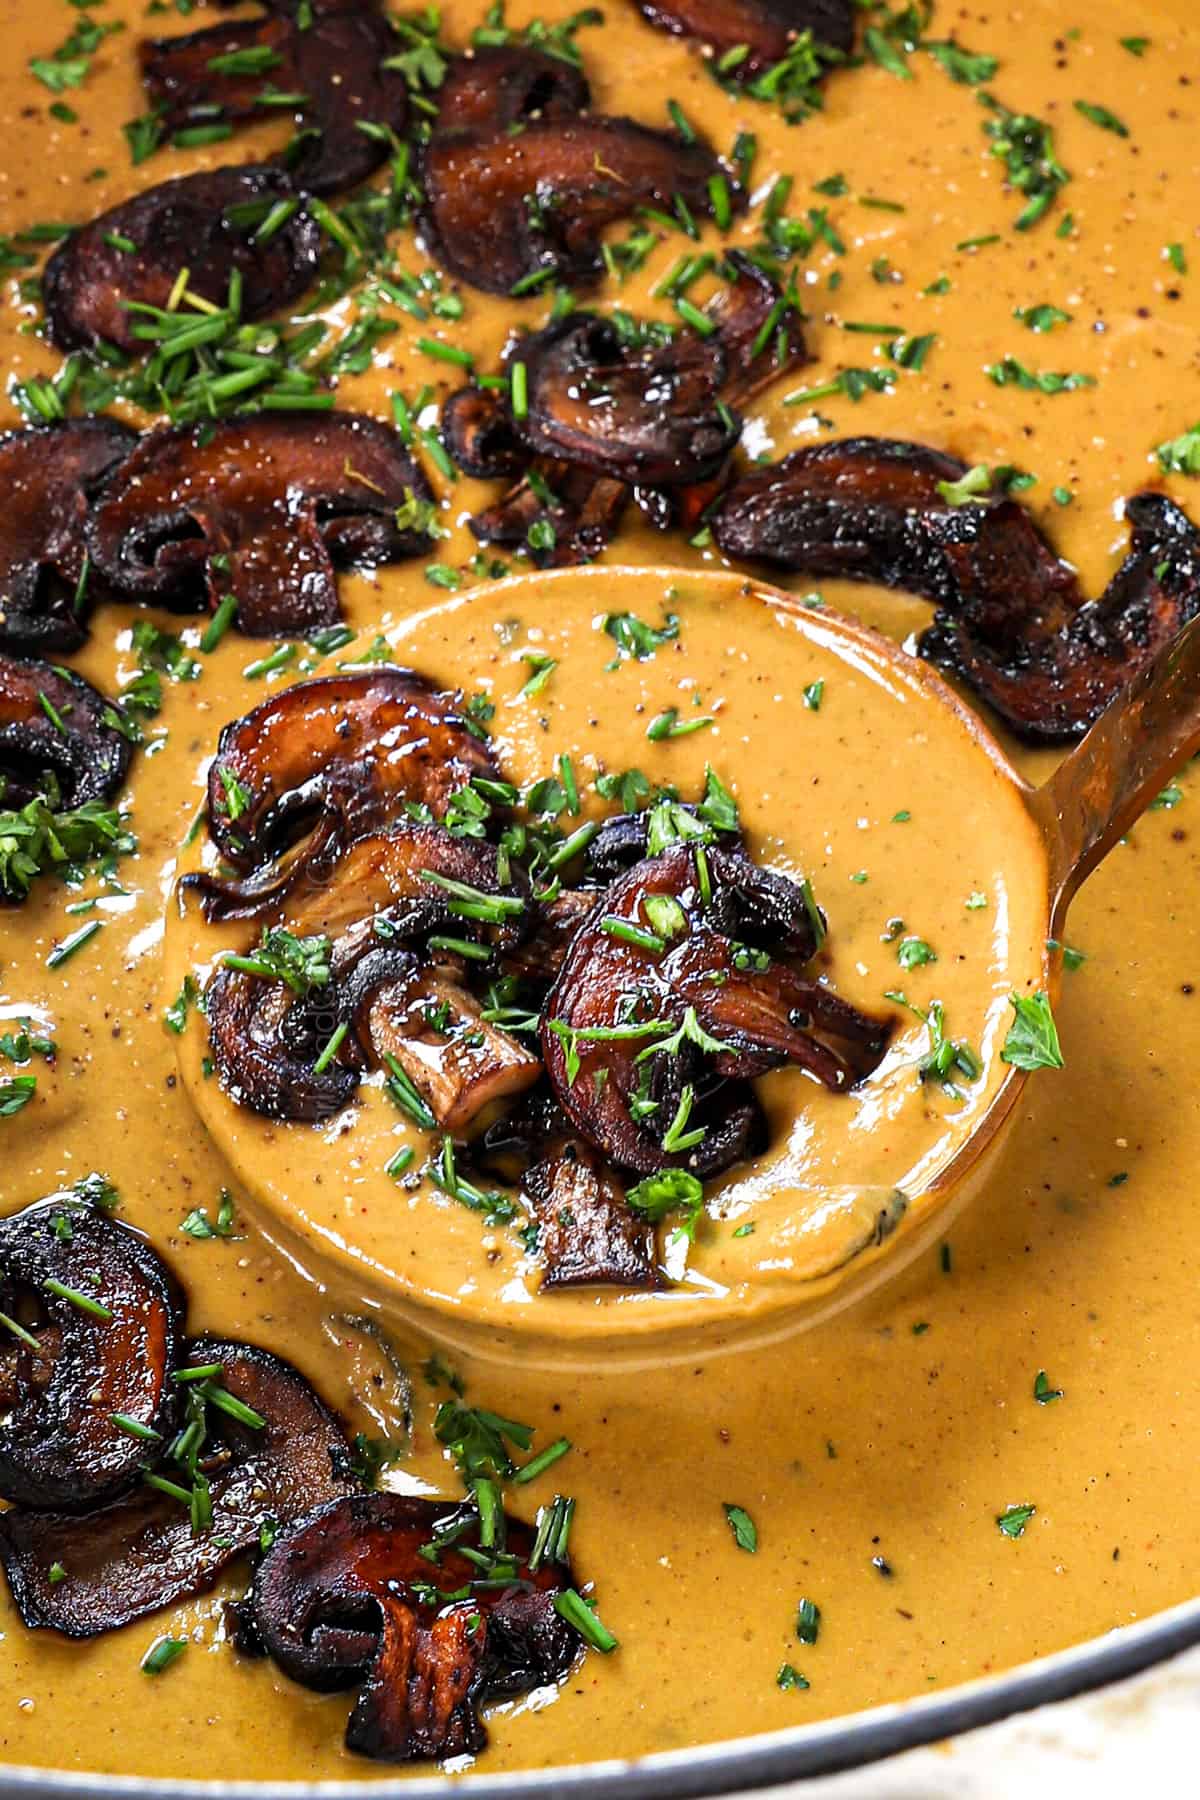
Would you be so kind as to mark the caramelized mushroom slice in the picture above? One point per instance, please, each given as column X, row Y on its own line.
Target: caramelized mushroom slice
column 257, row 1064
column 345, row 1599
column 557, row 514
column 765, row 30
column 355, row 748
column 334, row 60
column 283, row 499
column 759, row 327
column 679, row 995
column 1048, row 671
column 646, row 414
column 101, row 1320
column 53, row 722
column 874, row 509
column 139, row 1554
column 49, row 476
column 478, row 430
column 503, row 85
column 587, row 1232
column 502, row 207
column 94, row 283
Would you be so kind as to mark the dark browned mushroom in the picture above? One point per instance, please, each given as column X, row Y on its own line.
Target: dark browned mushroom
column 479, row 432
column 1012, row 621
column 132, row 256
column 346, row 1599
column 347, row 751
column 334, row 61
column 1050, row 671
column 49, row 476
column 760, row 328
column 588, row 1233
column 85, row 1369
column 636, row 413
column 682, row 987
column 140, row 1553
column 283, row 500
column 504, row 208
column 559, row 515
column 54, row 723
column 745, row 37
column 371, row 975
column 502, row 85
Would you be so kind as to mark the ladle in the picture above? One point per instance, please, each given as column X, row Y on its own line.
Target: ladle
column 1055, row 835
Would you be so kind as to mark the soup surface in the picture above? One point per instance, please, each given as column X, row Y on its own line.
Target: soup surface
column 1030, row 1369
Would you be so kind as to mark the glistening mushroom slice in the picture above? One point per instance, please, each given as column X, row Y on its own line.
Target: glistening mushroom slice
column 139, row 1554
column 345, row 1599
column 762, row 31
column 101, row 1324
column 282, row 499
column 357, row 747
column 633, row 413
column 558, row 514
column 503, row 208
column 55, row 723
column 1050, row 672
column 760, row 328
column 333, row 62
column 49, row 476
column 709, row 952
column 132, row 255
column 479, row 432
column 502, row 85
column 587, row 1233
column 882, row 510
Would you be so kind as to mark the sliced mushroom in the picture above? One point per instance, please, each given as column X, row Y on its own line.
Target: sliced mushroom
column 760, row 328
column 1012, row 620
column 478, row 430
column 634, row 413
column 352, row 750
column 587, row 1232
column 130, row 1558
column 54, row 723
column 101, row 1321
column 677, row 988
column 505, row 207
column 623, row 841
column 1050, row 671
column 345, row 1599
column 133, row 254
column 281, row 499
column 257, row 1065
column 333, row 60
column 503, row 85
column 558, row 515
column 49, row 475
column 763, row 30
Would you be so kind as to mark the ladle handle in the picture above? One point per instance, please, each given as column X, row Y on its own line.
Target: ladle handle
column 1112, row 775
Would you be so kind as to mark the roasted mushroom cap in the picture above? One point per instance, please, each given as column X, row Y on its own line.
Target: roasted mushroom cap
column 132, row 255
column 588, row 1234
column 581, row 173
column 559, row 514
column 101, row 1324
column 282, row 499
column 345, row 1598
column 503, row 85
column 55, row 723
column 141, row 1553
column 763, row 30
column 639, row 414
column 479, row 432
column 355, row 748
column 1012, row 620
column 1049, row 670
column 674, row 989
column 49, row 475
column 392, row 996
column 334, row 60
column 760, row 329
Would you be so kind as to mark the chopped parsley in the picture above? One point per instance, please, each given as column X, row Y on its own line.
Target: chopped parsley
column 745, row 1532
column 1032, row 1041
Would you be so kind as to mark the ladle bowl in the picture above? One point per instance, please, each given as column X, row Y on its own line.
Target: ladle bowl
column 841, row 1241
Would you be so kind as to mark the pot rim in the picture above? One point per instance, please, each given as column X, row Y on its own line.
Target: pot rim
column 796, row 1753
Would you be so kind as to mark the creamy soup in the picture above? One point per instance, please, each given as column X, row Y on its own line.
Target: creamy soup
column 967, row 1468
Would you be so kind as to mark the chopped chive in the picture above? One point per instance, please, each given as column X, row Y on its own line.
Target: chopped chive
column 219, row 624
column 84, row 1302
column 202, row 1372
column 571, row 1606
column 629, row 933
column 161, row 1654
column 331, row 1049
column 134, row 1427
column 537, row 1465
column 398, row 1164
column 69, row 945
